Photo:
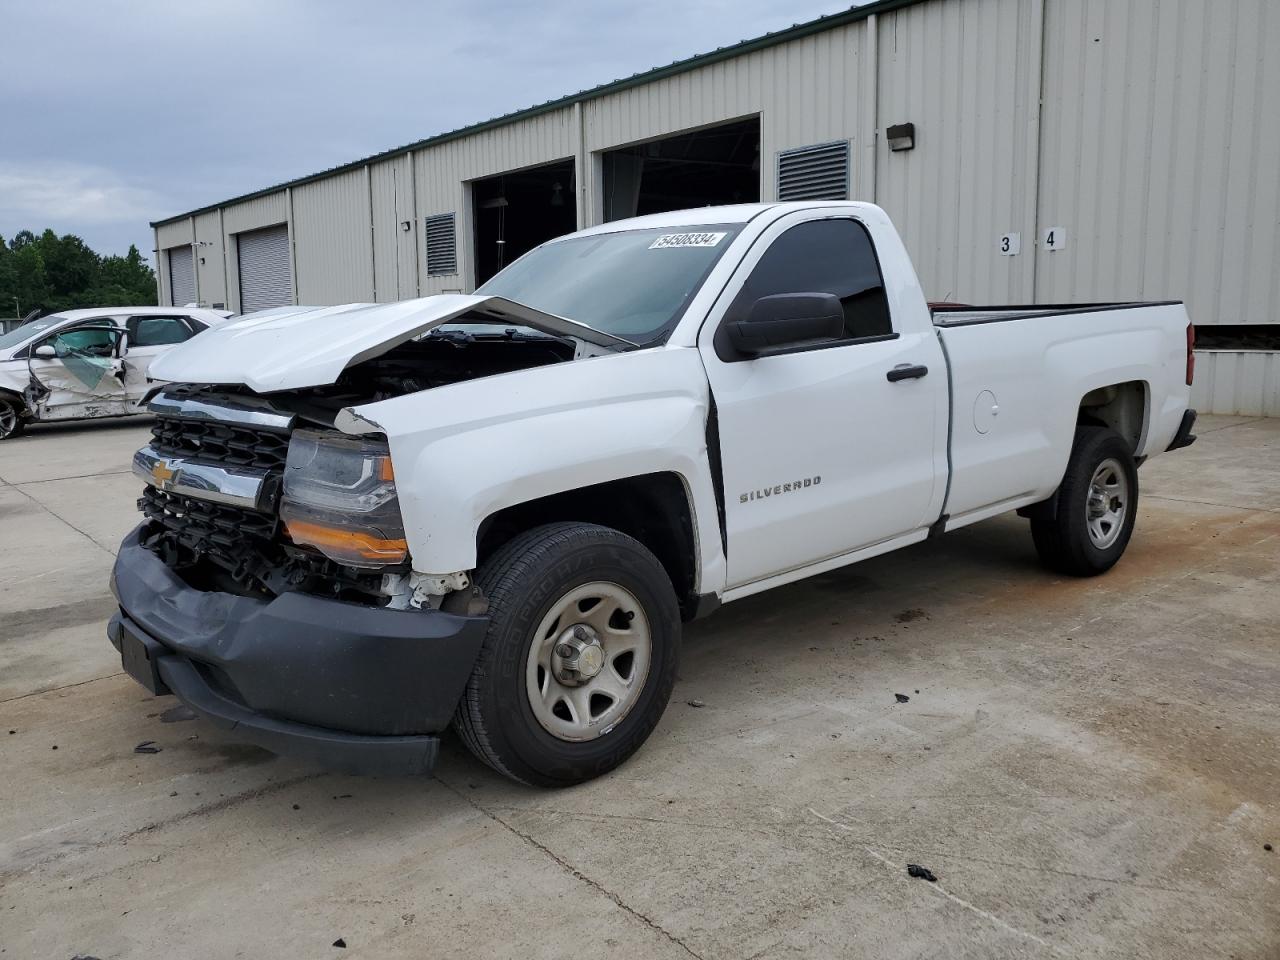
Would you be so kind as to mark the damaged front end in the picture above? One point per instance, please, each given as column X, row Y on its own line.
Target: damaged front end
column 271, row 585
column 260, row 496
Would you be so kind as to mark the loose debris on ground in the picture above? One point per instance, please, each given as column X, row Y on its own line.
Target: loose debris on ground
column 921, row 873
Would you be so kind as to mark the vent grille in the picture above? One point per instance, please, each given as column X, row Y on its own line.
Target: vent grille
column 222, row 443
column 442, row 247
column 820, row 172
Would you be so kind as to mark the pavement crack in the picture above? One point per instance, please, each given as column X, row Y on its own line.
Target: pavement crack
column 939, row 889
column 53, row 513
column 78, row 476
column 576, row 873
column 1212, row 503
column 215, row 806
column 65, row 686
column 1228, row 426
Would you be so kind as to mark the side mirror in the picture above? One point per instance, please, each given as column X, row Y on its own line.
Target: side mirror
column 785, row 321
column 46, row 352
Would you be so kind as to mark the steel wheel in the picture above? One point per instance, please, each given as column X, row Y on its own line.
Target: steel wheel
column 1108, row 502
column 588, row 661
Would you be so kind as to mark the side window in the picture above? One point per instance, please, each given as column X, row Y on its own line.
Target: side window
column 157, row 331
column 95, row 338
column 825, row 256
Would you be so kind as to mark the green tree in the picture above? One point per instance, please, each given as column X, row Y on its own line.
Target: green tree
column 71, row 269
column 59, row 273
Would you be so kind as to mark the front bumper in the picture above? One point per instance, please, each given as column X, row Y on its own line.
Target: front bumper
column 358, row 688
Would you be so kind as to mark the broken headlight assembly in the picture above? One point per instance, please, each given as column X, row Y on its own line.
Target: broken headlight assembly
column 340, row 498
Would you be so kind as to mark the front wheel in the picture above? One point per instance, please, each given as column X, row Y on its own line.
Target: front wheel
column 11, row 417
column 580, row 656
column 1096, row 506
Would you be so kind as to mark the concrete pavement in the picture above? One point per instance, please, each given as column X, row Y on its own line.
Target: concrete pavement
column 1089, row 767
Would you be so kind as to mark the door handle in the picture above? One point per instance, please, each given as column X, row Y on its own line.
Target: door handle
column 907, row 371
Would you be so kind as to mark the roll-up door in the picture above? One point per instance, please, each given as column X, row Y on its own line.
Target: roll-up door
column 264, row 269
column 182, row 276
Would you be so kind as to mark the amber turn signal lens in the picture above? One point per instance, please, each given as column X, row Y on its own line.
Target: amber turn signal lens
column 346, row 545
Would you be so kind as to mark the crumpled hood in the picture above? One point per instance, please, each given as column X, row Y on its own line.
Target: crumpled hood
column 311, row 348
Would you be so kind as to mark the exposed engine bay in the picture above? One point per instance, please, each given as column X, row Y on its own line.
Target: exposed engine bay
column 442, row 357
column 247, row 550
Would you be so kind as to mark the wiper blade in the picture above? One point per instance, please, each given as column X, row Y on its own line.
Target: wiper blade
column 458, row 337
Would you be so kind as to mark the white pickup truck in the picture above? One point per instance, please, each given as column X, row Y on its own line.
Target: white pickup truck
column 366, row 523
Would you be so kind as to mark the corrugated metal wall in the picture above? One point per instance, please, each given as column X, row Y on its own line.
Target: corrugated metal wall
column 1242, row 382
column 1148, row 130
column 211, row 276
column 332, row 239
column 1161, row 146
column 967, row 75
column 804, row 92
column 394, row 248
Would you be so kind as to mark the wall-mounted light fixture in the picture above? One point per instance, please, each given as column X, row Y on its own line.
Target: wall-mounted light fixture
column 902, row 136
column 405, row 225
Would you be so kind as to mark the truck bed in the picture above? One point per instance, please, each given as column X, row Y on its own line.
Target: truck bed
column 960, row 314
column 1016, row 390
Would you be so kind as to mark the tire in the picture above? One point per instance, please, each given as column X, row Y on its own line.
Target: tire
column 516, row 714
column 12, row 420
column 1090, row 528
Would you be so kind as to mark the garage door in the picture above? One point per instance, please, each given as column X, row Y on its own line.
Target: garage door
column 264, row 269
column 182, row 277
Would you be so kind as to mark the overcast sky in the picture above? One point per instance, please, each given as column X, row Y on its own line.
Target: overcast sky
column 115, row 114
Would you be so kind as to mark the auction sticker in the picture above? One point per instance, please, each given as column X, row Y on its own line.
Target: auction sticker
column 669, row 240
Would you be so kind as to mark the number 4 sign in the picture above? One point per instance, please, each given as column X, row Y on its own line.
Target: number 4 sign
column 1054, row 238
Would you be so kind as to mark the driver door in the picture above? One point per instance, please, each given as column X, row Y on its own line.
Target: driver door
column 85, row 375
column 825, row 452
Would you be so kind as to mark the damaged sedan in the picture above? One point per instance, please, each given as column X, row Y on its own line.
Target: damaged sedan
column 86, row 364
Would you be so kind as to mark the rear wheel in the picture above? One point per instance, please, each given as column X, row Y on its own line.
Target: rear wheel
column 579, row 659
column 1096, row 506
column 11, row 417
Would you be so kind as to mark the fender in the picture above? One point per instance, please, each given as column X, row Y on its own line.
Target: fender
column 467, row 450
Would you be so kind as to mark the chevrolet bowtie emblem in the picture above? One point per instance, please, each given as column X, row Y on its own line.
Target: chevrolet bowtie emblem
column 161, row 473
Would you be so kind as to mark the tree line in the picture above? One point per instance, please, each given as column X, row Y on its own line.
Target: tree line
column 55, row 273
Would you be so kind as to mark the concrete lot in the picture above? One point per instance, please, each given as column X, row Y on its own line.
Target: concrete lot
column 1091, row 768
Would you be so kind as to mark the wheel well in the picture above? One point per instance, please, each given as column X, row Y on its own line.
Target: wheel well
column 1120, row 406
column 652, row 508
column 14, row 397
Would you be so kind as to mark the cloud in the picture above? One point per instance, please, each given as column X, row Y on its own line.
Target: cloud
column 62, row 192
column 153, row 108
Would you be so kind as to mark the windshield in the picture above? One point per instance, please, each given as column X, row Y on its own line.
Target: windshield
column 634, row 284
column 28, row 330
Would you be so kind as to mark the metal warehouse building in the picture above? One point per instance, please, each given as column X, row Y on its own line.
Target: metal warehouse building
column 1030, row 151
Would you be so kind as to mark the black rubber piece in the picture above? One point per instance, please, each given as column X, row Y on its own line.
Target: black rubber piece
column 1184, row 437
column 1061, row 535
column 522, row 580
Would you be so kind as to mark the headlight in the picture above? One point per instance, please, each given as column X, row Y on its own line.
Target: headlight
column 340, row 497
